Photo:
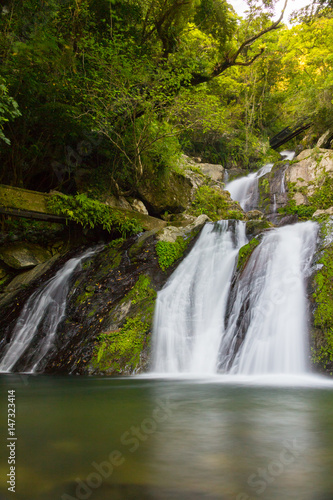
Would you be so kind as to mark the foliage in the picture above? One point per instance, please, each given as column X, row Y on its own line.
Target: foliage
column 323, row 316
column 141, row 290
column 323, row 196
column 245, row 253
column 321, row 199
column 8, row 109
column 120, row 350
column 121, row 347
column 92, row 213
column 216, row 204
column 168, row 252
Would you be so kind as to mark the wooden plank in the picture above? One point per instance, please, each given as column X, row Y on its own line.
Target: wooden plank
column 27, row 214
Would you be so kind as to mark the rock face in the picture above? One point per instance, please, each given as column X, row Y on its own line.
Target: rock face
column 24, row 255
column 321, row 293
column 174, row 196
column 180, row 186
column 308, row 171
column 110, row 306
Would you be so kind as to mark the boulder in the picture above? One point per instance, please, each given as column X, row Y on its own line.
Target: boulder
column 310, row 165
column 25, row 278
column 319, row 213
column 138, row 206
column 325, row 140
column 171, row 195
column 171, row 233
column 215, row 172
column 24, row 255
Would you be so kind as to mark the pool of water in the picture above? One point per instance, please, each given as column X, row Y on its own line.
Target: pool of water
column 154, row 438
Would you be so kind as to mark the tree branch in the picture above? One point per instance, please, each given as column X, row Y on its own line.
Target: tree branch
column 232, row 60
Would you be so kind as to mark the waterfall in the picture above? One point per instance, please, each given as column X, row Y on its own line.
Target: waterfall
column 190, row 309
column 207, row 321
column 45, row 307
column 268, row 317
column 245, row 189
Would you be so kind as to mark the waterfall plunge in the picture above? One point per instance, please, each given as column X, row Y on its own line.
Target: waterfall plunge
column 259, row 325
column 190, row 310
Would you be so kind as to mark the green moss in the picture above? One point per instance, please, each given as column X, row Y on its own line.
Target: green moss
column 216, row 204
column 119, row 351
column 245, row 253
column 141, row 290
column 84, row 297
column 169, row 252
column 323, row 196
column 322, row 352
column 121, row 348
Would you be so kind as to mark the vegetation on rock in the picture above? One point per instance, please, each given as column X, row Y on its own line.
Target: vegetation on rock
column 92, row 213
column 245, row 253
column 322, row 351
column 216, row 204
column 168, row 252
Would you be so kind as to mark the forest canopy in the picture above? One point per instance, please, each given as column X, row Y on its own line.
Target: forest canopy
column 95, row 95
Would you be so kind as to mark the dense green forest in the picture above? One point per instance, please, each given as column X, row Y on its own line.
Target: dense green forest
column 97, row 95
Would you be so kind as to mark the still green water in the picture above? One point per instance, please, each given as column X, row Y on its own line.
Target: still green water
column 141, row 438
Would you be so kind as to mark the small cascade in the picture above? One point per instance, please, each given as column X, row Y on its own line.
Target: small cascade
column 190, row 309
column 274, row 204
column 245, row 189
column 45, row 308
column 287, row 155
column 283, row 183
column 209, row 319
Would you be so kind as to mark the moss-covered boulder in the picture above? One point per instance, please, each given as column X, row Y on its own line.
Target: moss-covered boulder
column 172, row 193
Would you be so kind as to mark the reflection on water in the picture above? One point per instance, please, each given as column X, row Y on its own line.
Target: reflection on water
column 156, row 439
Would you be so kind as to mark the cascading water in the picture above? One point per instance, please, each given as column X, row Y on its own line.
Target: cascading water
column 203, row 325
column 245, row 189
column 190, row 310
column 267, row 325
column 46, row 306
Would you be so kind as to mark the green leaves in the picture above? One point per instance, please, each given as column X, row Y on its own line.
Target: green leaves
column 9, row 109
column 92, row 213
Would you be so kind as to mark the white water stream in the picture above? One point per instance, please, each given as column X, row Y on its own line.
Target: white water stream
column 190, row 310
column 46, row 305
column 245, row 189
column 258, row 326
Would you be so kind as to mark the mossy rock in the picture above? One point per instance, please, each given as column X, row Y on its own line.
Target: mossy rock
column 245, row 253
column 216, row 204
column 322, row 335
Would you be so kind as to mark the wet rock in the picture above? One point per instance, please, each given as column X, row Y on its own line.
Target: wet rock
column 255, row 215
column 23, row 279
column 24, row 255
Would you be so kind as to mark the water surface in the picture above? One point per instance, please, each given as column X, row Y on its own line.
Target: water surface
column 220, row 438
